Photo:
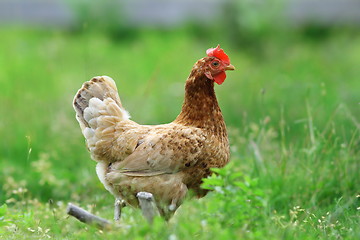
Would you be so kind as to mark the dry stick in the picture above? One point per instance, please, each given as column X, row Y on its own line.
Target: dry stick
column 88, row 218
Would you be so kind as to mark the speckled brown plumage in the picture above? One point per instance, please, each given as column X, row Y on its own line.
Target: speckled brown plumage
column 166, row 160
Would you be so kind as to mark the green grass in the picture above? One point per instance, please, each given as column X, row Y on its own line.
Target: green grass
column 292, row 113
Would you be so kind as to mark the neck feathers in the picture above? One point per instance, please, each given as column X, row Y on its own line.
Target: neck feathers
column 200, row 107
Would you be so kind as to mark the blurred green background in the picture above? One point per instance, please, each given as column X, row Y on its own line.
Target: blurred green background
column 291, row 107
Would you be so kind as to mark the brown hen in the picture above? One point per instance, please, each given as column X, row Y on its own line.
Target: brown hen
column 165, row 160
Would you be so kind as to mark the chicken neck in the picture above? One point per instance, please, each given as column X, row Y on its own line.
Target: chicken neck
column 200, row 108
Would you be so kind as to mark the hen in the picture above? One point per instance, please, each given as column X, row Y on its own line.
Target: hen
column 165, row 160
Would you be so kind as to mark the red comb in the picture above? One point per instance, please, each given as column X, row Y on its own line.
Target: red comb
column 218, row 53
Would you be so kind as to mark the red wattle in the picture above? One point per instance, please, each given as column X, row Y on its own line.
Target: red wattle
column 220, row 78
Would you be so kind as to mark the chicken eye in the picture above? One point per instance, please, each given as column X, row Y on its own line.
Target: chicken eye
column 215, row 64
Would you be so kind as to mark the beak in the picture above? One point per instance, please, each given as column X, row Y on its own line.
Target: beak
column 230, row 67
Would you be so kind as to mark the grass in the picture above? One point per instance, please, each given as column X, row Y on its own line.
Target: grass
column 292, row 113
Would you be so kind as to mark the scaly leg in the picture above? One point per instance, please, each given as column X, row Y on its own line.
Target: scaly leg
column 147, row 205
column 119, row 204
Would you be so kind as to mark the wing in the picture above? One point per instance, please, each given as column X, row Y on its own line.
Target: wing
column 166, row 149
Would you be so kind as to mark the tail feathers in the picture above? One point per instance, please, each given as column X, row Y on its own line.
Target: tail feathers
column 98, row 110
column 101, row 88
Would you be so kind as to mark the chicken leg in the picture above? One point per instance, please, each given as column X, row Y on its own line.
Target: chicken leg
column 147, row 205
column 119, row 204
